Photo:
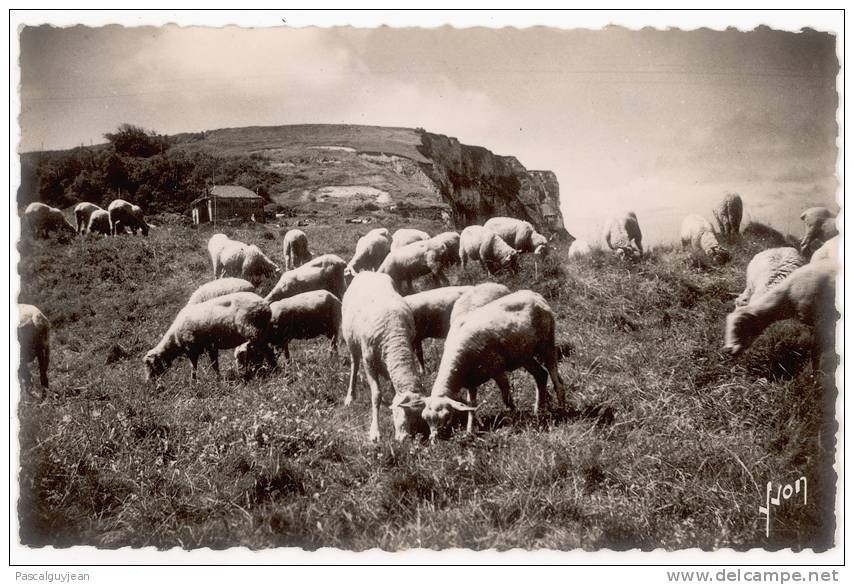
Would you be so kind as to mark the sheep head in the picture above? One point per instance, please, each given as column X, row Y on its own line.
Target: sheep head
column 720, row 255
column 741, row 330
column 154, row 365
column 438, row 410
column 406, row 413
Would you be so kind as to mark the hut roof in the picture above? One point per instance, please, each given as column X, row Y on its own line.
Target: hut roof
column 228, row 192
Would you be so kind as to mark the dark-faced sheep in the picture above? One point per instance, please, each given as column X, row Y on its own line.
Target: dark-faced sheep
column 34, row 345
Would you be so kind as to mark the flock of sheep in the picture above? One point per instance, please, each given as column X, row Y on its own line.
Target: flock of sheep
column 489, row 330
column 40, row 219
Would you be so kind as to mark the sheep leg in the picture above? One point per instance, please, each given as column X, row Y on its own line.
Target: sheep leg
column 419, row 353
column 472, row 394
column 269, row 356
column 504, row 385
column 24, row 373
column 193, row 356
column 354, row 371
column 44, row 361
column 213, row 355
column 333, row 343
column 286, row 351
column 541, row 378
column 374, row 433
column 550, row 363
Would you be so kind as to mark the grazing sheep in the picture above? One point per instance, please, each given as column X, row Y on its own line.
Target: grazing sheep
column 482, row 244
column 518, row 234
column 767, row 269
column 828, row 251
column 82, row 212
column 417, row 259
column 699, row 237
column 807, row 294
column 234, row 258
column 451, row 242
column 623, row 235
column 296, row 249
column 325, row 272
column 41, row 219
column 371, row 250
column 728, row 216
column 379, row 330
column 579, row 249
column 480, row 295
column 304, row 316
column 431, row 310
column 405, row 236
column 819, row 226
column 219, row 323
column 218, row 288
column 34, row 344
column 515, row 331
column 126, row 215
column 99, row 223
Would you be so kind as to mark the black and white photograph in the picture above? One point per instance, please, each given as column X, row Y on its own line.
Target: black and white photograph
column 388, row 286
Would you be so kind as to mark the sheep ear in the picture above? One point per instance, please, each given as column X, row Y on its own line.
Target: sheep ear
column 408, row 402
column 461, row 406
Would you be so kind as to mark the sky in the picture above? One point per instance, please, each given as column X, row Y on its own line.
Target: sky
column 662, row 122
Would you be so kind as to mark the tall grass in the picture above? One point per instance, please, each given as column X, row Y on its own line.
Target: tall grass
column 666, row 442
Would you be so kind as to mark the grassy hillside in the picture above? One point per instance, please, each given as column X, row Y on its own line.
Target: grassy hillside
column 666, row 441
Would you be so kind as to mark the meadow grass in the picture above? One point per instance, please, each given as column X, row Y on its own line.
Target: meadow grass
column 665, row 442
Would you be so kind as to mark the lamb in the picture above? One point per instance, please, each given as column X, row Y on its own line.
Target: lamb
column 515, row 331
column 767, row 269
column 219, row 288
column 41, row 219
column 34, row 344
column 828, row 251
column 126, row 215
column 480, row 295
column 82, row 212
column 379, row 330
column 698, row 235
column 234, row 258
column 819, row 226
column 371, row 250
column 325, row 272
column 415, row 260
column 405, row 236
column 728, row 216
column 431, row 310
column 623, row 235
column 480, row 243
column 99, row 223
column 219, row 323
column 518, row 234
column 296, row 249
column 579, row 249
column 304, row 316
column 807, row 294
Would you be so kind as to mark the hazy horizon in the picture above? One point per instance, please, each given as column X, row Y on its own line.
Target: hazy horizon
column 661, row 122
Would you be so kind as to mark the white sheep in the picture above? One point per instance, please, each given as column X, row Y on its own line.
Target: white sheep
column 379, row 331
column 371, row 250
column 767, row 269
column 412, row 261
column 234, row 258
column 219, row 323
column 34, row 344
column 303, row 316
column 431, row 310
column 82, row 212
column 218, row 288
column 518, row 234
column 324, row 272
column 807, row 294
column 728, row 214
column 828, row 251
column 512, row 332
column 124, row 214
column 623, row 235
column 405, row 236
column 451, row 242
column 41, row 219
column 579, row 249
column 697, row 234
column 296, row 249
column 819, row 226
column 480, row 295
column 478, row 243
column 99, row 223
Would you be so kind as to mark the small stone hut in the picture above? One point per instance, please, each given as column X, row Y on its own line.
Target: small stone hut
column 224, row 202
